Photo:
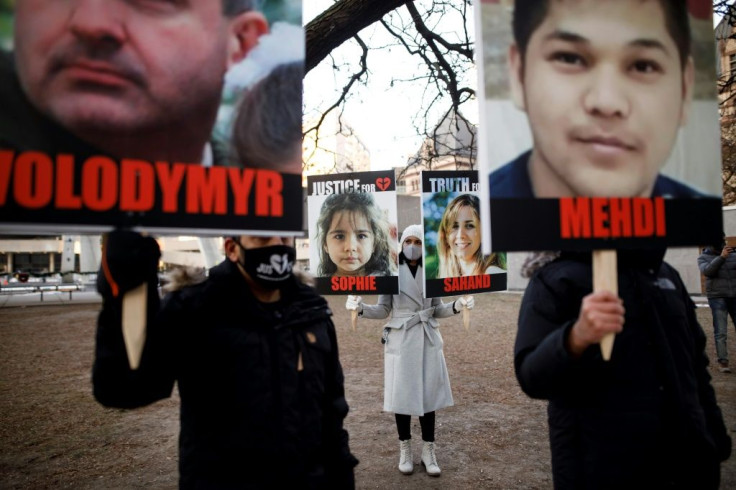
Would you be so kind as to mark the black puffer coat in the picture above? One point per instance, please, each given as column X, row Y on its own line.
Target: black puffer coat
column 262, row 395
column 719, row 272
column 647, row 418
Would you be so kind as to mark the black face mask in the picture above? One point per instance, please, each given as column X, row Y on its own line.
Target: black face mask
column 269, row 266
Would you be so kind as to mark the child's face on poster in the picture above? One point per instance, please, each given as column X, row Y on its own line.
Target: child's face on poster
column 349, row 242
column 605, row 93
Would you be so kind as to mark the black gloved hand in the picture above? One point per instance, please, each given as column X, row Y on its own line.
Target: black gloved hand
column 128, row 260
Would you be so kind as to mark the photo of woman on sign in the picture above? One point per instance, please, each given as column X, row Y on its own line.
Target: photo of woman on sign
column 459, row 239
column 354, row 237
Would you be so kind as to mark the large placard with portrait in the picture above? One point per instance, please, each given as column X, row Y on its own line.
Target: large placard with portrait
column 171, row 117
column 599, row 124
column 454, row 261
column 353, row 232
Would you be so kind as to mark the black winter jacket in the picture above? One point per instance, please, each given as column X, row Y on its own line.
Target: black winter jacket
column 720, row 273
column 262, row 393
column 647, row 418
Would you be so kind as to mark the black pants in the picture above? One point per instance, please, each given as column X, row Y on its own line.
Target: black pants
column 403, row 424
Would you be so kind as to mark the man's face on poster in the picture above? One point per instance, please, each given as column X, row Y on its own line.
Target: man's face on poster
column 123, row 65
column 605, row 93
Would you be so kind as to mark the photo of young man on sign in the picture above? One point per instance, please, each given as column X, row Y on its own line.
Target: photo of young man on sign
column 107, row 106
column 353, row 232
column 454, row 259
column 606, row 117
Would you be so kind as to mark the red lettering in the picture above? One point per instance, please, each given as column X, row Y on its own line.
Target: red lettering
column 99, row 183
column 241, row 182
column 643, row 216
column 6, row 165
column 65, row 197
column 466, row 283
column 33, row 179
column 599, row 209
column 575, row 217
column 598, row 217
column 206, row 190
column 137, row 184
column 353, row 283
column 620, row 216
column 170, row 178
column 659, row 214
column 269, row 198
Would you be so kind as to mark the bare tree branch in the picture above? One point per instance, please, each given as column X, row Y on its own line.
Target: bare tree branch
column 341, row 22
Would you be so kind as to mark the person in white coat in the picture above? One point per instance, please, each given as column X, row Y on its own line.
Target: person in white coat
column 415, row 374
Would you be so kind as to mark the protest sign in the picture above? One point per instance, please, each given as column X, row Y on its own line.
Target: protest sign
column 353, row 232
column 585, row 148
column 454, row 260
column 144, row 134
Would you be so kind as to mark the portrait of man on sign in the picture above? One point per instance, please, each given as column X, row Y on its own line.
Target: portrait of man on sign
column 601, row 100
column 130, row 79
column 131, row 110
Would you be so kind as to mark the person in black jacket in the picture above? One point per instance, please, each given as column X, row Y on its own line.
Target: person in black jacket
column 718, row 265
column 648, row 418
column 255, row 356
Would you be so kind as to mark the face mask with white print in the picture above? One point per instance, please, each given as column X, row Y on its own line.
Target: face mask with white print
column 269, row 266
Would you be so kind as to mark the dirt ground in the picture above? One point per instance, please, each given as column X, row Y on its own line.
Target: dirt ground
column 54, row 435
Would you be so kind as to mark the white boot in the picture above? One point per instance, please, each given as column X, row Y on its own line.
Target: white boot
column 406, row 464
column 429, row 460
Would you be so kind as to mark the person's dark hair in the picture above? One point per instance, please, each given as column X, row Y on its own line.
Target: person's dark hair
column 235, row 7
column 381, row 262
column 267, row 131
column 529, row 14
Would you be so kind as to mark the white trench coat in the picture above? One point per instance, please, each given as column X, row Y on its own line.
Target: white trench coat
column 415, row 374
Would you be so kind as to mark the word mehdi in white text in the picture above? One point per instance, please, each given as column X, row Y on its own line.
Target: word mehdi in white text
column 452, row 184
column 340, row 187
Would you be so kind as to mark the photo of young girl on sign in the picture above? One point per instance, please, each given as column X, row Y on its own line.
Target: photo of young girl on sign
column 455, row 262
column 353, row 237
column 633, row 120
column 353, row 232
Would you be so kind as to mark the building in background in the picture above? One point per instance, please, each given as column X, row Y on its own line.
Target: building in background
column 453, row 146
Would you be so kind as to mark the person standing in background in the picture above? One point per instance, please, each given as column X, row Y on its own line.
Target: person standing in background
column 718, row 265
column 416, row 379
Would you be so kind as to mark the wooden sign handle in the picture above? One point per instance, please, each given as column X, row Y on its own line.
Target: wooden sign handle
column 605, row 278
column 353, row 318
column 466, row 318
column 134, row 323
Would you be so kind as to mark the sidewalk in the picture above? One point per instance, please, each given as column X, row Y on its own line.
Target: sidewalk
column 49, row 298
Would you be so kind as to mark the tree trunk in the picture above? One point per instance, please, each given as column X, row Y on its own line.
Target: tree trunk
column 340, row 22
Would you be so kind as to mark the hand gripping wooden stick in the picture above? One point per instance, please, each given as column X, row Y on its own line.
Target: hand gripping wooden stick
column 605, row 277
